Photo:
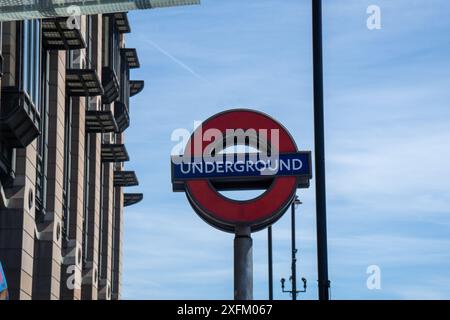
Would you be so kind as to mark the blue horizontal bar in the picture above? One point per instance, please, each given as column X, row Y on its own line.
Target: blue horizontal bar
column 242, row 166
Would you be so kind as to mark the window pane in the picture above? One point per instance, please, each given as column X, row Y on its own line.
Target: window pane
column 25, row 56
column 31, row 55
column 37, row 61
column 29, row 40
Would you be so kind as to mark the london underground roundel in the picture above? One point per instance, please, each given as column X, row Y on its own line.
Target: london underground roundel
column 213, row 161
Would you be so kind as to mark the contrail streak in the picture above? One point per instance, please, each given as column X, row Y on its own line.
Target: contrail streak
column 177, row 61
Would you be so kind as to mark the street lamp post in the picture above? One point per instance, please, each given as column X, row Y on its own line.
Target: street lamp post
column 294, row 206
column 319, row 150
column 293, row 277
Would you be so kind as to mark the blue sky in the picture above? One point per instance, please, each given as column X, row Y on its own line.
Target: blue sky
column 387, row 96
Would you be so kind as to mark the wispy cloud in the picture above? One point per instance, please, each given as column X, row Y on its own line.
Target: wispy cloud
column 176, row 60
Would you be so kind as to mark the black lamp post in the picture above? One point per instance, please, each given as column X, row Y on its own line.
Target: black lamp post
column 319, row 154
column 319, row 151
column 294, row 293
column 293, row 277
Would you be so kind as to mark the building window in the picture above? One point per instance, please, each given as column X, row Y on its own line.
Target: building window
column 31, row 59
column 42, row 142
column 87, row 160
column 102, row 213
column 90, row 101
column 113, row 244
column 7, row 163
column 67, row 169
column 111, row 43
column 89, row 42
column 1, row 57
column 124, row 82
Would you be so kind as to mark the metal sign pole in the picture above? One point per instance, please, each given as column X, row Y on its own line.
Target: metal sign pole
column 243, row 264
column 269, row 240
column 294, row 251
column 319, row 149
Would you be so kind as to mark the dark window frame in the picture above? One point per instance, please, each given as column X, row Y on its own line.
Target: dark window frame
column 89, row 42
column 87, row 148
column 1, row 43
column 67, row 169
column 87, row 164
column 124, row 82
column 42, row 141
column 113, row 244
column 102, row 209
column 28, row 72
column 111, row 44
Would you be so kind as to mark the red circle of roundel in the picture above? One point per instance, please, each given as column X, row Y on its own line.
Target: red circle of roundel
column 226, row 213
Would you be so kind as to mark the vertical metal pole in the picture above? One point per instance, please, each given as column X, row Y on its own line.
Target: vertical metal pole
column 319, row 147
column 269, row 243
column 243, row 264
column 294, row 251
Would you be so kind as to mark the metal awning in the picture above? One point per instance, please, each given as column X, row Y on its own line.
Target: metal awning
column 132, row 198
column 38, row 9
column 122, row 24
column 125, row 179
column 111, row 86
column 131, row 57
column 19, row 118
column 114, row 153
column 122, row 116
column 83, row 83
column 136, row 86
column 100, row 121
column 57, row 35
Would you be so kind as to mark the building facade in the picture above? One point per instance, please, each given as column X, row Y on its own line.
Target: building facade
column 64, row 108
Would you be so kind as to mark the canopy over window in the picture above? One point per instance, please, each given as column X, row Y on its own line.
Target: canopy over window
column 36, row 9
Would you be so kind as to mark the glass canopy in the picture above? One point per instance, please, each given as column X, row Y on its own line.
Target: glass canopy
column 36, row 9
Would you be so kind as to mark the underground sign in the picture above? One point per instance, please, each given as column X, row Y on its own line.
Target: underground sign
column 269, row 161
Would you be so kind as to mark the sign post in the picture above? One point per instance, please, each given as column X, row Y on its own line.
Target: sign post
column 206, row 168
column 243, row 264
